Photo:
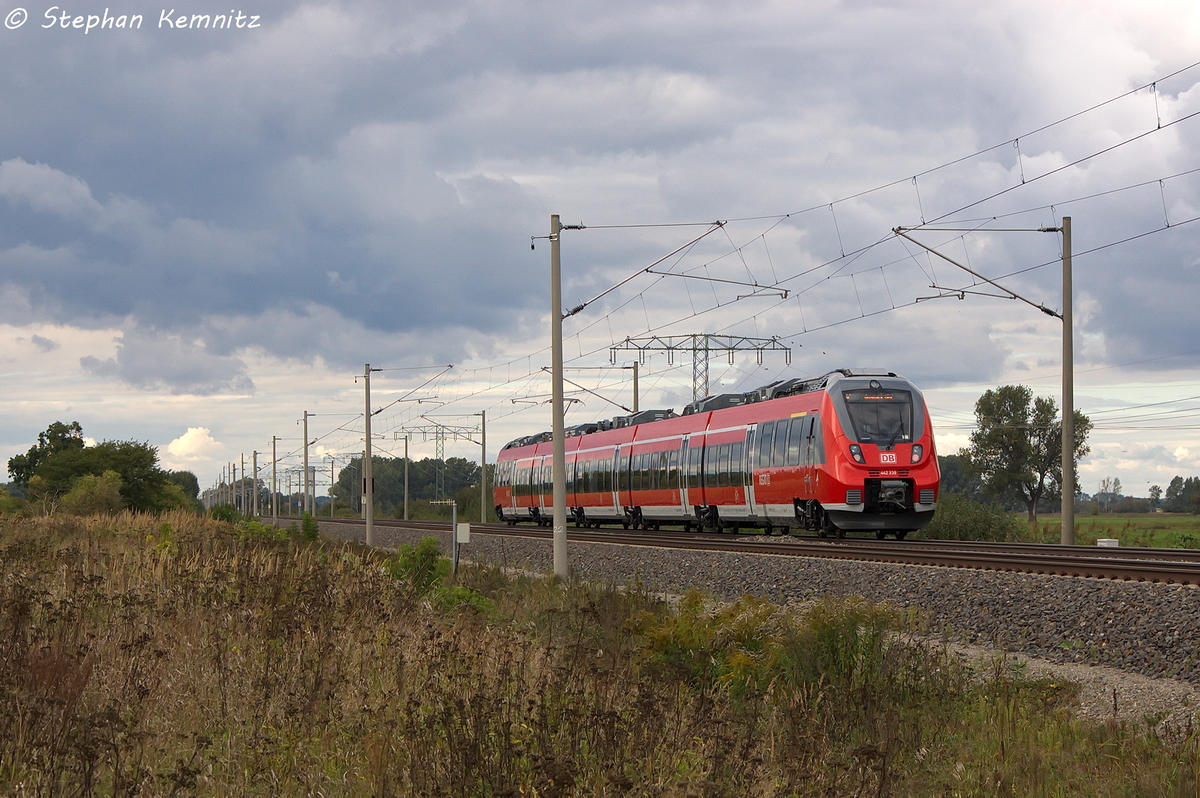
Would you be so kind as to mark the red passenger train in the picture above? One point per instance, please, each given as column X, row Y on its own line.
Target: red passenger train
column 847, row 451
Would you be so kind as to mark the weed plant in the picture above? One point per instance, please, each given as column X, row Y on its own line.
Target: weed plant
column 189, row 656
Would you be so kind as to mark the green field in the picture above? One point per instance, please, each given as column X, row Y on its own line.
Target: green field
column 1157, row 530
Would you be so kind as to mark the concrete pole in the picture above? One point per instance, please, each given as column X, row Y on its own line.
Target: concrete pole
column 307, row 481
column 368, row 488
column 483, row 500
column 257, row 504
column 242, row 485
column 559, row 471
column 453, row 538
column 332, row 482
column 274, row 483
column 1068, row 390
column 406, row 476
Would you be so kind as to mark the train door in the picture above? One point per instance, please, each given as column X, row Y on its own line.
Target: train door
column 545, row 498
column 524, row 497
column 735, row 475
column 609, row 484
column 620, row 482
column 748, row 470
column 694, row 473
column 682, row 454
column 760, row 461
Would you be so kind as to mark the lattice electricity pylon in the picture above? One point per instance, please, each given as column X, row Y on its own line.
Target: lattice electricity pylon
column 700, row 345
column 439, row 433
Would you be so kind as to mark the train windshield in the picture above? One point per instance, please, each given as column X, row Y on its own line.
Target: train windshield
column 880, row 416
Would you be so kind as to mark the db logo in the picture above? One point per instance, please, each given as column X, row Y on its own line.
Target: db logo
column 887, row 457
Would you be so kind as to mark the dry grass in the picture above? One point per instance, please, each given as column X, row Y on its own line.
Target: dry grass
column 177, row 655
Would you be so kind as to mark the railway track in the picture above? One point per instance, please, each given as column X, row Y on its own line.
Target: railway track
column 1170, row 566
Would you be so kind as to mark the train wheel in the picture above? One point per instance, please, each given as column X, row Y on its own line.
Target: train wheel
column 880, row 534
column 901, row 534
column 768, row 529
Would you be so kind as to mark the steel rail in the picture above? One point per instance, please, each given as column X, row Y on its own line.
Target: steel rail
column 1170, row 566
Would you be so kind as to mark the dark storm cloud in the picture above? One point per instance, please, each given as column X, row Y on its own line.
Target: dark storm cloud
column 162, row 361
column 376, row 169
column 44, row 344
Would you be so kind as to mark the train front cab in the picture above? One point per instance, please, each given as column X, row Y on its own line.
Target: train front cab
column 882, row 469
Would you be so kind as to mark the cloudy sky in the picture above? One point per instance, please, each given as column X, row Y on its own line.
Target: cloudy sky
column 206, row 231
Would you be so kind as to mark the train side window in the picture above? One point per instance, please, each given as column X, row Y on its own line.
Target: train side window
column 712, row 460
column 692, row 467
column 766, row 433
column 779, row 458
column 723, row 476
column 737, row 466
column 795, row 440
column 673, row 470
column 623, row 472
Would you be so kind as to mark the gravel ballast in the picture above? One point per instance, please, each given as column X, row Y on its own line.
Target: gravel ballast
column 1143, row 628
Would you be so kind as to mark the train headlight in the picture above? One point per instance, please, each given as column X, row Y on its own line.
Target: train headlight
column 917, row 452
column 856, row 453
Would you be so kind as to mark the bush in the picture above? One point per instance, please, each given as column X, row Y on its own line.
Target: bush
column 422, row 565
column 309, row 531
column 11, row 505
column 960, row 518
column 94, row 495
column 225, row 512
column 256, row 530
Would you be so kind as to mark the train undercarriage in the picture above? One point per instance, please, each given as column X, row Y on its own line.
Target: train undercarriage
column 884, row 520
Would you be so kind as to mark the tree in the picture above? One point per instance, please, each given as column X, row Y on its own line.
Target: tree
column 1155, row 495
column 94, row 495
column 1017, row 448
column 1110, row 493
column 58, row 437
column 187, row 481
column 422, row 479
column 1183, row 495
column 55, row 466
column 958, row 477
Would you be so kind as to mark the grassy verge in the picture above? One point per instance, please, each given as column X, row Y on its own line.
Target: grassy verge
column 181, row 655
